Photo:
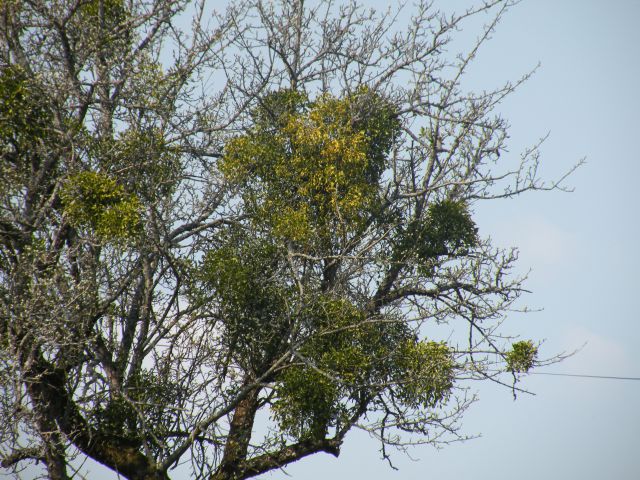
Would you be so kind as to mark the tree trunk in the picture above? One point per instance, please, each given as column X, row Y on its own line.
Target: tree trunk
column 240, row 430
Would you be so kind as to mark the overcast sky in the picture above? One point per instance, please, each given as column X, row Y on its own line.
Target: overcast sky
column 582, row 249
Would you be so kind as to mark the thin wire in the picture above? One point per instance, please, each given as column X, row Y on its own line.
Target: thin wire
column 585, row 376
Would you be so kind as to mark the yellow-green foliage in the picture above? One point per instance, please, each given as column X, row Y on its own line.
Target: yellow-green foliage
column 99, row 27
column 141, row 160
column 339, row 356
column 23, row 117
column 9, row 3
column 113, row 11
column 345, row 342
column 150, row 85
column 96, row 200
column 447, row 230
column 310, row 170
column 146, row 163
column 426, row 370
column 146, row 393
column 239, row 269
column 345, row 355
column 241, row 278
column 306, row 402
column 522, row 356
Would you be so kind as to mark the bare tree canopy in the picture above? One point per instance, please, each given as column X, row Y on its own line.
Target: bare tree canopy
column 228, row 239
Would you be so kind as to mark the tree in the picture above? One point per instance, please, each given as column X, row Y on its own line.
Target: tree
column 264, row 216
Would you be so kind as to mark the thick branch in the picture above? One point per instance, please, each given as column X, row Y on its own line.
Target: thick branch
column 46, row 387
column 239, row 435
column 287, row 455
column 32, row 453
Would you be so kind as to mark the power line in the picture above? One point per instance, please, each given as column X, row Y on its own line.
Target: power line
column 585, row 376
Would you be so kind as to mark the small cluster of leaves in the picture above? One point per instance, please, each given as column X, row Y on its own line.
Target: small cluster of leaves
column 306, row 403
column 150, row 84
column 350, row 357
column 142, row 159
column 429, row 370
column 311, row 169
column 242, row 275
column 447, row 230
column 102, row 29
column 23, row 118
column 146, row 394
column 334, row 361
column 104, row 14
column 95, row 200
column 522, row 356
